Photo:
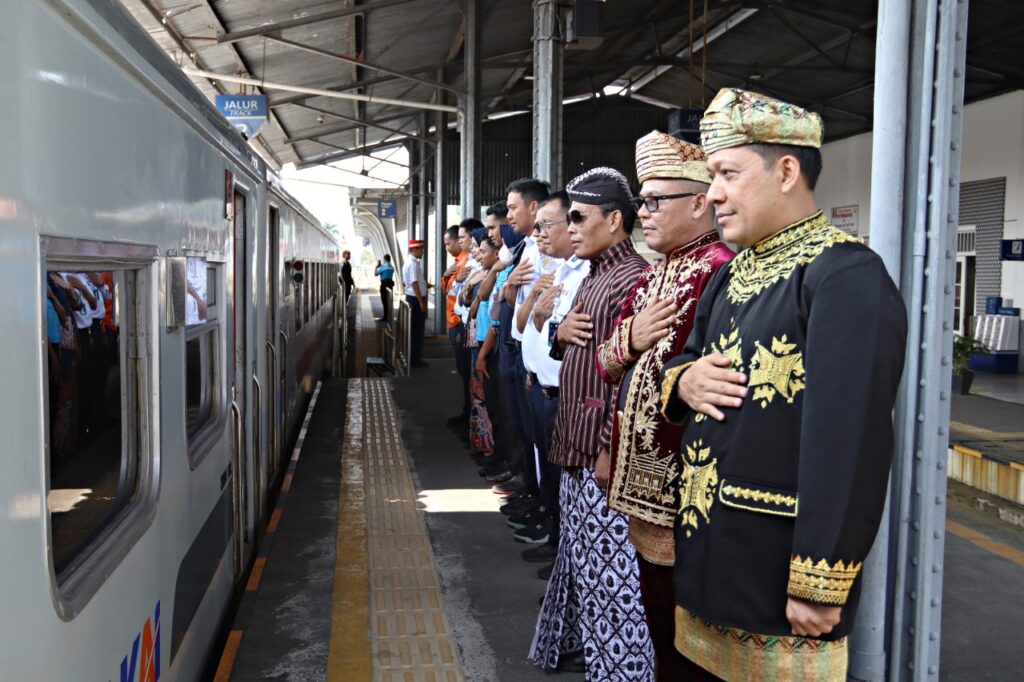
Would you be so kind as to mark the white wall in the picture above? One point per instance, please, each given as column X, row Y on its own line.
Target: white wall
column 993, row 147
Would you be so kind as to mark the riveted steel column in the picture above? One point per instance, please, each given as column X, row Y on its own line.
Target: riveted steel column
column 548, row 47
column 889, row 140
column 938, row 40
column 470, row 115
column 423, row 219
column 440, row 214
column 410, row 215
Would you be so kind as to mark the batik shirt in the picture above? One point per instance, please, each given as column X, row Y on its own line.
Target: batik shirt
column 643, row 442
column 783, row 498
column 583, row 425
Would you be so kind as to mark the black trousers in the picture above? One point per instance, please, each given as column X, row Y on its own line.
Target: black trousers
column 418, row 320
column 457, row 337
column 542, row 413
column 517, row 415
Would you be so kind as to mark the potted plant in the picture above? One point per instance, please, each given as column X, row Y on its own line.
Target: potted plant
column 963, row 347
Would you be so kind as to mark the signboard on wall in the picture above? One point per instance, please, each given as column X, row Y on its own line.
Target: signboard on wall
column 845, row 218
column 1011, row 249
column 387, row 208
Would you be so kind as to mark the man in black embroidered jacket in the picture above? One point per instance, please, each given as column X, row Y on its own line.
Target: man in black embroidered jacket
column 786, row 386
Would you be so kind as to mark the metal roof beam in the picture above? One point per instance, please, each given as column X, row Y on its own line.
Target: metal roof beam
column 322, row 131
column 366, row 65
column 360, row 122
column 341, row 156
column 379, row 160
column 366, row 8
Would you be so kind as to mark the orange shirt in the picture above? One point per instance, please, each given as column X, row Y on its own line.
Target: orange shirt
column 448, row 282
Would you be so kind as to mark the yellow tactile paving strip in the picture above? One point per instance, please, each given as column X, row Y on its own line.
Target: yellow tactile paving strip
column 410, row 636
column 387, row 593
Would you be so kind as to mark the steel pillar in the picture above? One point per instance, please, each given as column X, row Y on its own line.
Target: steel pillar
column 410, row 215
column 440, row 213
column 888, row 168
column 548, row 46
column 470, row 116
column 919, row 120
column 424, row 197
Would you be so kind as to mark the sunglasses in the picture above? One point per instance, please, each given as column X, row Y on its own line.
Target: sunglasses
column 576, row 217
column 651, row 202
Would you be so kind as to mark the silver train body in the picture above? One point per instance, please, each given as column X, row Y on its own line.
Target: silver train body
column 143, row 437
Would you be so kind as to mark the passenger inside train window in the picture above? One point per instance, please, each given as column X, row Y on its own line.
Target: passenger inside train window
column 93, row 473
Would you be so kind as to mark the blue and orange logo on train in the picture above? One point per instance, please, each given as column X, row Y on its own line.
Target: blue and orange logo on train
column 143, row 663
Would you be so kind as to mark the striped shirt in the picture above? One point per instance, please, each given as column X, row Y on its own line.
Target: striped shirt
column 587, row 404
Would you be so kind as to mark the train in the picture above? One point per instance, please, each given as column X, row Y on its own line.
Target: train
column 169, row 309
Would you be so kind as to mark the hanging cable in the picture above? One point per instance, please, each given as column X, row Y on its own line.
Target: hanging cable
column 689, row 55
column 704, row 55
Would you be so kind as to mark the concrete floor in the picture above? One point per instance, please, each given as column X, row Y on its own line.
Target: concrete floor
column 1007, row 387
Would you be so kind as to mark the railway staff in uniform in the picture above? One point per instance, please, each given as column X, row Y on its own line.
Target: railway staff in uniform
column 655, row 320
column 416, row 296
column 786, row 388
column 595, row 580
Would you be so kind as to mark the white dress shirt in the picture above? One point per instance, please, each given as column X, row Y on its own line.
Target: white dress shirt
column 536, row 347
column 413, row 272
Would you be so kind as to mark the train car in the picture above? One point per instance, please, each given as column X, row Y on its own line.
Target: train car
column 168, row 308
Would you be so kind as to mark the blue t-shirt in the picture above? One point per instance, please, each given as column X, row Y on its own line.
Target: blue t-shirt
column 385, row 271
column 52, row 323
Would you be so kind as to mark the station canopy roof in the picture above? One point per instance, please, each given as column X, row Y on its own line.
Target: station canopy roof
column 816, row 53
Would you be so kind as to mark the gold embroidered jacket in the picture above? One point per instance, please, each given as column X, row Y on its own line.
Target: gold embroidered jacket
column 784, row 497
column 643, row 442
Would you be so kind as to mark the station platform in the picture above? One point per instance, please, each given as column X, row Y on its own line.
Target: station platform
column 387, row 558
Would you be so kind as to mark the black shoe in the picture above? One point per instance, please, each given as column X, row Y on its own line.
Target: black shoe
column 516, row 505
column 544, row 572
column 493, row 465
column 420, row 364
column 532, row 517
column 534, row 535
column 509, row 487
column 540, row 553
column 500, row 477
column 572, row 662
column 458, row 422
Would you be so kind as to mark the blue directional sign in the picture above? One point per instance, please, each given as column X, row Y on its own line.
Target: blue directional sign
column 387, row 208
column 685, row 124
column 248, row 113
column 1011, row 249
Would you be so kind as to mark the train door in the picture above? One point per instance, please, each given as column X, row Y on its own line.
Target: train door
column 239, row 383
column 274, row 361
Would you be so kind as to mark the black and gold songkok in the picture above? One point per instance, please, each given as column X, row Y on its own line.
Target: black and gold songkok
column 598, row 186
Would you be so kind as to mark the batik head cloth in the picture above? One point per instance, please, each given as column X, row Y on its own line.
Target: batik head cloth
column 736, row 117
column 662, row 156
column 601, row 185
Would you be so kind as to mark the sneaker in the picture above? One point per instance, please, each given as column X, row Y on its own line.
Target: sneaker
column 572, row 662
column 534, row 535
column 540, row 553
column 532, row 517
column 516, row 504
column 544, row 572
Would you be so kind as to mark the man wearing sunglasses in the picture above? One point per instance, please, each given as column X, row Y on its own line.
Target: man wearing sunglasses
column 655, row 321
column 785, row 388
column 595, row 577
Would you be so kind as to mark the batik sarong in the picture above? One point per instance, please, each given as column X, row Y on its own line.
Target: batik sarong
column 593, row 596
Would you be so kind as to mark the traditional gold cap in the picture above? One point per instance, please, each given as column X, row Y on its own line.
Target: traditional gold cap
column 736, row 117
column 662, row 156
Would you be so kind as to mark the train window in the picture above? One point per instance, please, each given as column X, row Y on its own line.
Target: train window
column 202, row 369
column 101, row 475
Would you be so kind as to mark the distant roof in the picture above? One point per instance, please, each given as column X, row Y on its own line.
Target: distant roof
column 819, row 54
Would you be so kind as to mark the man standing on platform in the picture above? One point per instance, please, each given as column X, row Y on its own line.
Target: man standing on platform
column 457, row 330
column 786, row 388
column 595, row 579
column 416, row 296
column 655, row 321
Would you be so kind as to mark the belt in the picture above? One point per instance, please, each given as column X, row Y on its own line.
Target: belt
column 550, row 392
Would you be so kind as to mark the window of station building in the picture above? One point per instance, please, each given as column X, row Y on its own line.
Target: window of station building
column 100, row 455
column 203, row 404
